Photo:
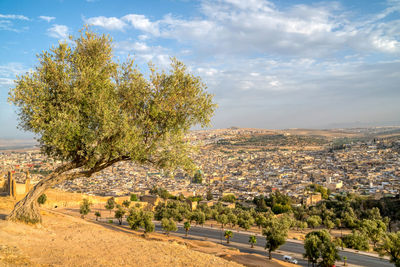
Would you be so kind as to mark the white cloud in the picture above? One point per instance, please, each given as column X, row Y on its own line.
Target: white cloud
column 47, row 18
column 142, row 23
column 111, row 23
column 19, row 17
column 58, row 31
column 139, row 22
column 132, row 46
column 8, row 72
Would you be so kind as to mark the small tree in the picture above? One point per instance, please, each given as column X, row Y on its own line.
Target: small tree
column 168, row 225
column 186, row 225
column 222, row 219
column 356, row 240
column 134, row 197
column 318, row 245
column 119, row 214
column 42, row 199
column 141, row 218
column 232, row 219
column 126, row 203
column 391, row 247
column 275, row 234
column 314, row 221
column 200, row 217
column 228, row 234
column 209, row 195
column 98, row 215
column 110, row 204
column 146, row 222
column 374, row 229
column 85, row 207
column 229, row 198
column 252, row 240
column 344, row 260
column 329, row 224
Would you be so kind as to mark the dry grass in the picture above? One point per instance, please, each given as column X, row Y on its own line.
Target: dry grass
column 64, row 240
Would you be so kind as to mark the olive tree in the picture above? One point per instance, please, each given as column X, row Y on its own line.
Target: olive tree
column 391, row 247
column 186, row 225
column 318, row 245
column 168, row 225
column 90, row 112
column 84, row 208
column 275, row 233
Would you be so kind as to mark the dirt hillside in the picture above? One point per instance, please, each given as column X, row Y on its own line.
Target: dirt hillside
column 64, row 240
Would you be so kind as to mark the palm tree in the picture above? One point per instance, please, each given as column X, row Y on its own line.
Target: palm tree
column 186, row 225
column 252, row 240
column 228, row 235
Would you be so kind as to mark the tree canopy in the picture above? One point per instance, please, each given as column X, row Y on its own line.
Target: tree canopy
column 90, row 112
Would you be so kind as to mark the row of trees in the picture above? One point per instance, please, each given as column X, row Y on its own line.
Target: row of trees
column 320, row 247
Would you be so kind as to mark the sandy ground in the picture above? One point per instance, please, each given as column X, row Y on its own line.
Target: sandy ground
column 63, row 240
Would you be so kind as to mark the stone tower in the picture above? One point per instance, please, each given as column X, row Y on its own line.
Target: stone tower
column 11, row 185
column 27, row 182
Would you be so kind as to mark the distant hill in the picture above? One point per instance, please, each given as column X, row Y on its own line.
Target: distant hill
column 17, row 144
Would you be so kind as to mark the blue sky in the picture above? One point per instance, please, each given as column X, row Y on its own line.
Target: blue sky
column 270, row 64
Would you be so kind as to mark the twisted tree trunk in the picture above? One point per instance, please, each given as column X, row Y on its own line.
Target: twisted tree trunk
column 27, row 209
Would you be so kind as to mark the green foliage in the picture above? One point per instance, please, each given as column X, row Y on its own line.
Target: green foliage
column 314, row 221
column 356, row 240
column 110, row 204
column 209, row 195
column 161, row 192
column 168, row 225
column 252, row 240
column 98, row 215
column 198, row 177
column 92, row 112
column 119, row 214
column 126, row 203
column 228, row 234
column 142, row 219
column 195, row 198
column 319, row 188
column 229, row 198
column 318, row 245
column 199, row 217
column 84, row 208
column 222, row 219
column 186, row 226
column 232, row 219
column 278, row 202
column 275, row 233
column 329, row 224
column 391, row 247
column 134, row 197
column 172, row 209
column 373, row 229
column 42, row 199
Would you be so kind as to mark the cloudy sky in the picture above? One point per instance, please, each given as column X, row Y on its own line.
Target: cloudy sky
column 270, row 64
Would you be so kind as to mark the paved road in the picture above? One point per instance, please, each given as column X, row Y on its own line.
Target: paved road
column 241, row 241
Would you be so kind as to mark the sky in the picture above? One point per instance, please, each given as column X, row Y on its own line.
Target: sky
column 270, row 64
